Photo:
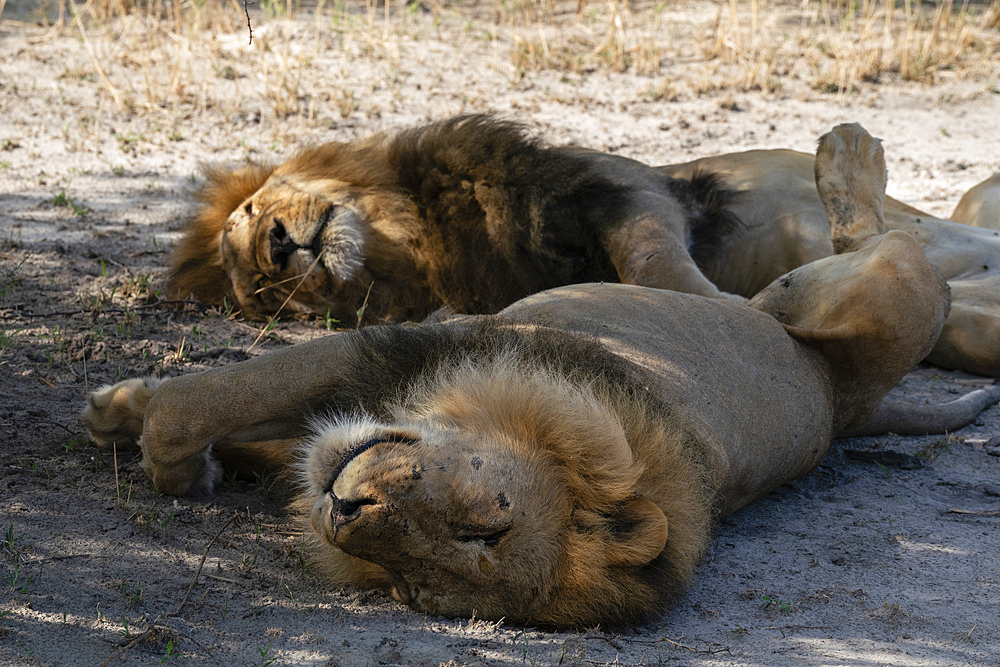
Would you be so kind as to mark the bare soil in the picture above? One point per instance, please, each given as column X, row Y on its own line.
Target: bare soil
column 855, row 564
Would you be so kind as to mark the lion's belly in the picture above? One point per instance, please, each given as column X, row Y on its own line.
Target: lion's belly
column 728, row 372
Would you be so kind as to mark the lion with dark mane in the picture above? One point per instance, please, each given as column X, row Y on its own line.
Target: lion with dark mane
column 473, row 214
column 469, row 214
column 561, row 463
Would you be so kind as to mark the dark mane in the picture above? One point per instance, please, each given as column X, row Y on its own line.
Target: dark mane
column 504, row 204
column 386, row 360
column 709, row 222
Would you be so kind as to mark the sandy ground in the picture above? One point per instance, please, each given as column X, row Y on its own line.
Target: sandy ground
column 855, row 564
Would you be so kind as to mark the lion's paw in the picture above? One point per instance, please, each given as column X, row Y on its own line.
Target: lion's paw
column 115, row 413
column 195, row 476
column 850, row 179
column 210, row 476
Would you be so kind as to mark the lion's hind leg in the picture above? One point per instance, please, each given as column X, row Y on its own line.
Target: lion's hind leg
column 874, row 309
column 115, row 413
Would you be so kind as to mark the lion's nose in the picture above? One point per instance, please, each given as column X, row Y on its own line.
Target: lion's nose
column 282, row 245
column 345, row 511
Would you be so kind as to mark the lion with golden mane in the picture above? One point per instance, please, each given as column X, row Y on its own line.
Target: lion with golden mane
column 472, row 214
column 561, row 463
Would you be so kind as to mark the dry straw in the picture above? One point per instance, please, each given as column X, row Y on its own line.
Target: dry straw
column 840, row 45
column 182, row 57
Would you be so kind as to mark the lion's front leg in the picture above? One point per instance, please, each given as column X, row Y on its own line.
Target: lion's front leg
column 121, row 414
column 649, row 248
column 250, row 414
column 118, row 414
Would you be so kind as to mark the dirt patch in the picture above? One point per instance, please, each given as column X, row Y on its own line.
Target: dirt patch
column 856, row 563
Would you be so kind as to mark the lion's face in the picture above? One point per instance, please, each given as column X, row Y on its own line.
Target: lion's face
column 463, row 526
column 520, row 507
column 307, row 240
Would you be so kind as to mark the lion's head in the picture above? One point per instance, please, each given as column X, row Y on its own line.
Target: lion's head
column 322, row 233
column 504, row 494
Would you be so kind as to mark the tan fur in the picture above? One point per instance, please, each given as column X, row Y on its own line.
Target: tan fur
column 468, row 213
column 560, row 464
column 980, row 206
column 197, row 260
column 787, row 223
column 540, row 417
column 114, row 413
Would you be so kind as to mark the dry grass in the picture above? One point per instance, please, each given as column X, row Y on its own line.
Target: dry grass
column 177, row 58
column 602, row 34
column 839, row 45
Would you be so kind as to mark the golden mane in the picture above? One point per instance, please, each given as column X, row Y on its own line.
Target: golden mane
column 606, row 445
column 196, row 263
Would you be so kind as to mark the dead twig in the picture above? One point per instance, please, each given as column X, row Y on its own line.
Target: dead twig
column 118, row 486
column 249, row 27
column 197, row 573
column 41, row 559
column 284, row 303
column 197, row 306
column 94, row 60
column 655, row 642
column 958, row 510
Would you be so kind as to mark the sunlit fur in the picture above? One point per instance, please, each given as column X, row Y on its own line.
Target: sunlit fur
column 114, row 413
column 196, row 263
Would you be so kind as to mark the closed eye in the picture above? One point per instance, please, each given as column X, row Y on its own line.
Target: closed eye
column 487, row 538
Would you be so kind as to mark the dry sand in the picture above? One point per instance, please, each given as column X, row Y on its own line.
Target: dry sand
column 854, row 564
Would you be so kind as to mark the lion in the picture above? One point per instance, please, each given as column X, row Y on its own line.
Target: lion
column 471, row 214
column 561, row 464
column 980, row 206
column 785, row 225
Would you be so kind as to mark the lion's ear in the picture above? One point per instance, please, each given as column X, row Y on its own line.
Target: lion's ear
column 639, row 530
column 825, row 340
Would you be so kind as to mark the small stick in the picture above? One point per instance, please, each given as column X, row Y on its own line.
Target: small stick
column 958, row 510
column 43, row 559
column 93, row 58
column 249, row 27
column 194, row 581
column 146, row 306
column 118, row 487
column 285, row 302
column 364, row 304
